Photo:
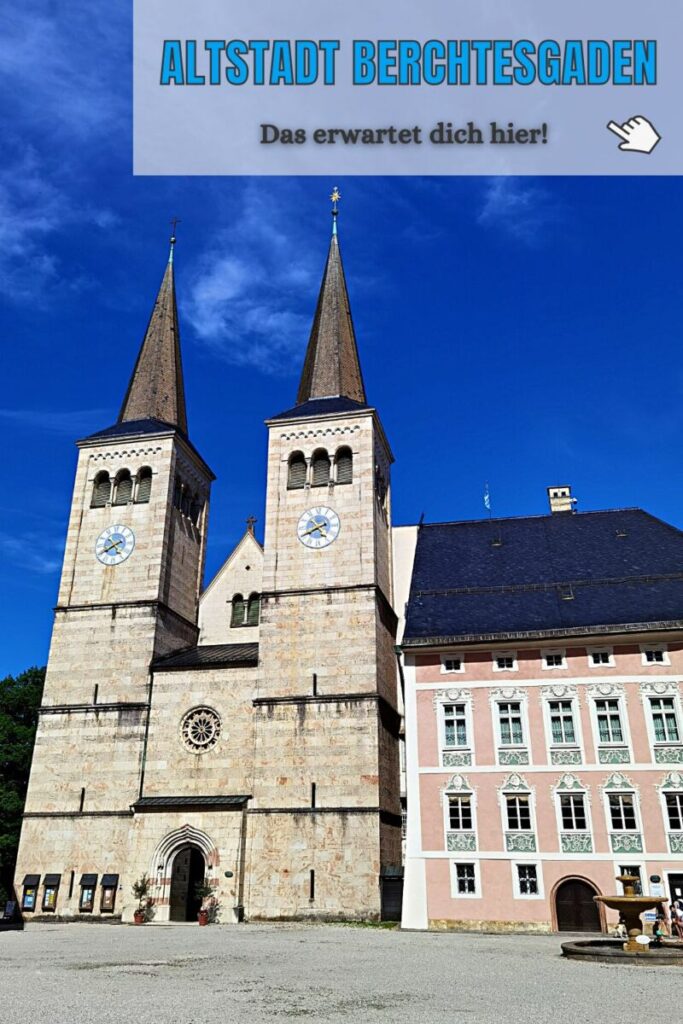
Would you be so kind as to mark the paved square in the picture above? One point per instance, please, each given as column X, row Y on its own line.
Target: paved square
column 79, row 974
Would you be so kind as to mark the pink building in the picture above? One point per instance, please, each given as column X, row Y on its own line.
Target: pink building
column 544, row 727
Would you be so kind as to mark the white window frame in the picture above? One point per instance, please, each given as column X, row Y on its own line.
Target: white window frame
column 588, row 830
column 458, row 747
column 505, row 793
column 523, row 706
column 477, row 894
column 452, row 671
column 468, row 791
column 590, row 651
column 504, row 654
column 623, row 717
column 554, row 651
column 625, row 791
column 459, row 793
column 649, row 715
column 644, row 648
column 518, row 895
column 669, row 791
column 576, row 718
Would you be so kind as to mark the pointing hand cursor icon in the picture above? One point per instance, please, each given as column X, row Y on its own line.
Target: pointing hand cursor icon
column 638, row 135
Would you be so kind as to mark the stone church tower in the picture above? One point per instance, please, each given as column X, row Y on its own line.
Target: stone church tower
column 246, row 734
column 326, row 805
column 129, row 592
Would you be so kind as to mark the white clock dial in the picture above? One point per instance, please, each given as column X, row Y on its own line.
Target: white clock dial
column 115, row 544
column 318, row 527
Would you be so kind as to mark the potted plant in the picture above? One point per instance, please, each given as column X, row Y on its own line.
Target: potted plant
column 141, row 892
column 204, row 891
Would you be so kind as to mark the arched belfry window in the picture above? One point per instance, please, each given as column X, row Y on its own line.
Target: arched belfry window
column 101, row 491
column 344, row 463
column 321, row 468
column 144, row 488
column 195, row 509
column 123, row 488
column 177, row 493
column 239, row 607
column 253, row 610
column 296, row 475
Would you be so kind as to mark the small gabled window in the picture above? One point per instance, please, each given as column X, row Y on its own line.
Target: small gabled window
column 321, row 468
column 452, row 665
column 123, row 488
column 504, row 661
column 654, row 655
column 238, row 611
column 101, row 492
column 296, row 473
column 144, row 488
column 344, row 464
column 600, row 656
column 553, row 659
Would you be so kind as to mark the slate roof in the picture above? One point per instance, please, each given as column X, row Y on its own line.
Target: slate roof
column 331, row 366
column 162, row 802
column 210, row 656
column 544, row 575
column 156, row 387
column 130, row 427
column 322, row 407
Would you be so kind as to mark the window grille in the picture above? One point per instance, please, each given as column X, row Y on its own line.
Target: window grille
column 101, row 492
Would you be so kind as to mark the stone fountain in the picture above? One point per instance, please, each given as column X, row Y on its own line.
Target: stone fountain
column 631, row 906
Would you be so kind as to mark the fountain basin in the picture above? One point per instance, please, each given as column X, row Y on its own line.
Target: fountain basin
column 612, row 951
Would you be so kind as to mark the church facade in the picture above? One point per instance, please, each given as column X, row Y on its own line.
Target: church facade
column 245, row 735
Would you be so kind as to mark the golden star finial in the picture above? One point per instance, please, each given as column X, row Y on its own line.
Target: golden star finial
column 336, row 196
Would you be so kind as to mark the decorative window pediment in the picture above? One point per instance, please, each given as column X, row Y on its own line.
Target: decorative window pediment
column 458, row 784
column 569, row 783
column 618, row 781
column 515, row 783
column 672, row 781
column 605, row 690
column 559, row 692
column 660, row 689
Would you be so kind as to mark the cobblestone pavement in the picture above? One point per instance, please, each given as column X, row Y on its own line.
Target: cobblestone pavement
column 97, row 974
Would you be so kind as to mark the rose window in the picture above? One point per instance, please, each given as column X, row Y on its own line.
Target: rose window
column 200, row 729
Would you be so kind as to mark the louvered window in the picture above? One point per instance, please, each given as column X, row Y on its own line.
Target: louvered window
column 101, row 491
column 144, row 485
column 296, row 478
column 253, row 609
column 344, row 462
column 123, row 491
column 321, row 469
column 238, row 610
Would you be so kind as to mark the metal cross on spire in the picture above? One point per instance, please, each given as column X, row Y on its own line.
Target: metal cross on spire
column 173, row 222
column 335, row 197
column 251, row 522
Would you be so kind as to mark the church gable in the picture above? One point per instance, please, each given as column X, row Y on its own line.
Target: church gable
column 229, row 608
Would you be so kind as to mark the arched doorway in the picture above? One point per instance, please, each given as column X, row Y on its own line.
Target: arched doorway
column 575, row 908
column 189, row 869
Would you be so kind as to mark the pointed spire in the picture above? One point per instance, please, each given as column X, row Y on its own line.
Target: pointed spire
column 156, row 387
column 331, row 367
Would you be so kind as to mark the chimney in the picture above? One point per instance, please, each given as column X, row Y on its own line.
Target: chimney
column 560, row 499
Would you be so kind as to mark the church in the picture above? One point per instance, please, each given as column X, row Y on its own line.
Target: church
column 245, row 734
column 249, row 734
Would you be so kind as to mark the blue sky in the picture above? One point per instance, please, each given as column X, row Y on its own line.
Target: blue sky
column 520, row 331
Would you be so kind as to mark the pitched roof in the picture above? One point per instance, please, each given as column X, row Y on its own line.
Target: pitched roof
column 321, row 407
column 563, row 573
column 156, row 387
column 210, row 656
column 331, row 367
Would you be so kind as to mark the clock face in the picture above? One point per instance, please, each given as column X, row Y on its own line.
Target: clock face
column 318, row 527
column 115, row 544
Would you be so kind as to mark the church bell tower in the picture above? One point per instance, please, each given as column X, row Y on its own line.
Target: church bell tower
column 129, row 592
column 326, row 802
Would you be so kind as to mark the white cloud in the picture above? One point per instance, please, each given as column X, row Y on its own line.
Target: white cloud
column 29, row 552
column 251, row 295
column 77, row 421
column 518, row 207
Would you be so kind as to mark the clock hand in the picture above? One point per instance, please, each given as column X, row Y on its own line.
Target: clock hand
column 314, row 529
column 115, row 545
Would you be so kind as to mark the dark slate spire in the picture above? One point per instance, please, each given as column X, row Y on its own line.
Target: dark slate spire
column 331, row 367
column 156, row 389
